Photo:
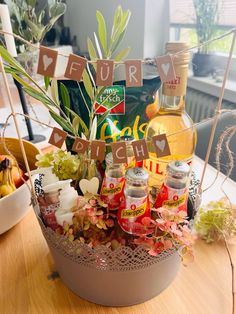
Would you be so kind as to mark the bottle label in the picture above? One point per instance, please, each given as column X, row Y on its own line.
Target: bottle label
column 131, row 212
column 134, row 207
column 112, row 191
column 177, row 87
column 157, row 170
column 171, row 198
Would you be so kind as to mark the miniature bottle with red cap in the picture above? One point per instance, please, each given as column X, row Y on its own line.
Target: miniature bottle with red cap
column 113, row 183
column 174, row 191
column 135, row 203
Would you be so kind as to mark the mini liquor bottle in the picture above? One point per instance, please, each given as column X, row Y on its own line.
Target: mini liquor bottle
column 135, row 202
column 113, row 183
column 173, row 194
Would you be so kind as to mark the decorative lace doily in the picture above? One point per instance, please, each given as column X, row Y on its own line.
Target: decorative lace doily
column 123, row 258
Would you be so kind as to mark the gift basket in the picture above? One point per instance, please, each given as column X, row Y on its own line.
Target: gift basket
column 115, row 206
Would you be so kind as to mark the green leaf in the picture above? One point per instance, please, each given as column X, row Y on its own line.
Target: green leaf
column 37, row 95
column 65, row 97
column 91, row 50
column 62, row 122
column 75, row 124
column 97, row 45
column 93, row 131
column 122, row 54
column 32, row 3
column 119, row 40
column 102, row 32
column 20, row 80
column 36, row 29
column 116, row 21
column 100, row 90
column 125, row 20
column 88, row 85
column 54, row 91
column 82, row 123
column 84, row 127
column 121, row 29
column 103, row 117
column 9, row 59
column 46, row 82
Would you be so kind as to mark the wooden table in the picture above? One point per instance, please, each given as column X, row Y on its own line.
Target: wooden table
column 28, row 283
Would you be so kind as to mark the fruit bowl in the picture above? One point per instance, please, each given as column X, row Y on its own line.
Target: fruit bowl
column 14, row 206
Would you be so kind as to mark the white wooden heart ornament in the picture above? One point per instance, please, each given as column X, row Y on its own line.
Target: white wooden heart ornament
column 165, row 68
column 57, row 138
column 46, row 62
column 161, row 144
column 90, row 186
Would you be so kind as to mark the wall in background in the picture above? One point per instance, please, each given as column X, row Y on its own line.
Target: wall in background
column 156, row 27
column 147, row 32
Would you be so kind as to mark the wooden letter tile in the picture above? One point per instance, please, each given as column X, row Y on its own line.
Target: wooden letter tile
column 119, row 153
column 161, row 145
column 104, row 72
column 57, row 137
column 47, row 61
column 140, row 150
column 98, row 149
column 133, row 73
column 165, row 68
column 75, row 67
column 80, row 145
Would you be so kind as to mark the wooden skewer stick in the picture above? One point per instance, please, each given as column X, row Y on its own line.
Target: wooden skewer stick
column 2, row 69
column 217, row 113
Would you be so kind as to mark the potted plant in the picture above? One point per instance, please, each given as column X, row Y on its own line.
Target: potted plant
column 32, row 19
column 206, row 20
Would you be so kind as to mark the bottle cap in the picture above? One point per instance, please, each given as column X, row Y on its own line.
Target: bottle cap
column 126, row 138
column 136, row 175
column 178, row 169
column 174, row 47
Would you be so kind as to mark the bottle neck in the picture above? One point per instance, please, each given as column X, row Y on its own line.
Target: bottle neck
column 173, row 92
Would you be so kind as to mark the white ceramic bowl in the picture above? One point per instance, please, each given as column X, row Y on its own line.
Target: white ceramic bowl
column 15, row 206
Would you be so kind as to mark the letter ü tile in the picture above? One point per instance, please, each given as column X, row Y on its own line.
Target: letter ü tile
column 104, row 76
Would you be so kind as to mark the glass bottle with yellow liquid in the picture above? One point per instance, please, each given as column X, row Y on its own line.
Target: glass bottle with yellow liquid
column 172, row 120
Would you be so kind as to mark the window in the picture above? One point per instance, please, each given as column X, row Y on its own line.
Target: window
column 183, row 22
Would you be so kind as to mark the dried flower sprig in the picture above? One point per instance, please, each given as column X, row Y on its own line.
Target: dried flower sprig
column 94, row 225
column 170, row 231
column 217, row 221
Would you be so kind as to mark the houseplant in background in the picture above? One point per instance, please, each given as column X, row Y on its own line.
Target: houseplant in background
column 32, row 19
column 207, row 13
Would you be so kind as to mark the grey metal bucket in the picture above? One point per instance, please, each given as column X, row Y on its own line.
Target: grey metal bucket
column 122, row 277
